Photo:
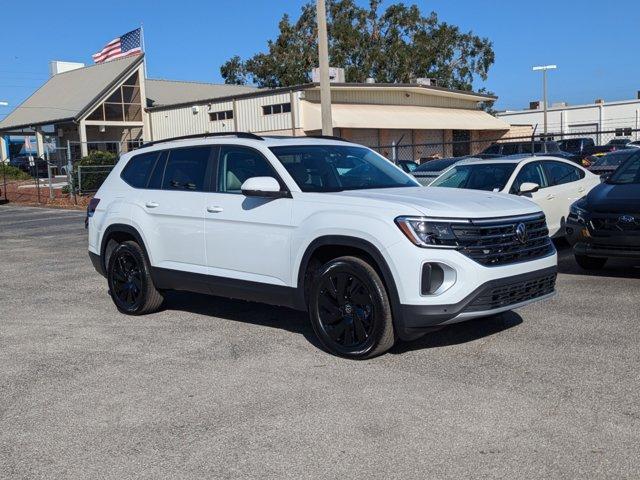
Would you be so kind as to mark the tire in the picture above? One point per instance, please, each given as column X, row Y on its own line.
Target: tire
column 349, row 309
column 130, row 284
column 590, row 263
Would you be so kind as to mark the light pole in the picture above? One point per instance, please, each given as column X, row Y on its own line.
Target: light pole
column 544, row 69
column 323, row 54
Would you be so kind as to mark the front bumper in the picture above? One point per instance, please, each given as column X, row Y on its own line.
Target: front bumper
column 609, row 244
column 490, row 298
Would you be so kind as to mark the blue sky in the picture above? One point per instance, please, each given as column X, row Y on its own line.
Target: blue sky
column 592, row 42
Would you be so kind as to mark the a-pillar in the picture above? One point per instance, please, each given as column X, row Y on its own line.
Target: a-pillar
column 82, row 134
column 3, row 149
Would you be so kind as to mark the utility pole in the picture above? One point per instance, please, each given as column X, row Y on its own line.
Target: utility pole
column 323, row 54
column 544, row 69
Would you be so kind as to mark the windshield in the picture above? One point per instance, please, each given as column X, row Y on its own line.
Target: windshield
column 333, row 168
column 612, row 159
column 437, row 165
column 480, row 176
column 627, row 173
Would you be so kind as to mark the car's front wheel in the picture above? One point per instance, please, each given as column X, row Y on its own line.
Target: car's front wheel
column 590, row 263
column 130, row 283
column 349, row 309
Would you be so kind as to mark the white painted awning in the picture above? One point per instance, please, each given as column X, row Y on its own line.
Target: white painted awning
column 400, row 117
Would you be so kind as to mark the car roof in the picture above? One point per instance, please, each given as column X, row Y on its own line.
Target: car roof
column 517, row 158
column 249, row 140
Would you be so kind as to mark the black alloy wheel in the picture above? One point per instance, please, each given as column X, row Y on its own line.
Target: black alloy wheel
column 130, row 283
column 350, row 310
column 127, row 280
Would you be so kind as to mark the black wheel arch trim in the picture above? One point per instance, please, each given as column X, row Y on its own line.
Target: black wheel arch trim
column 120, row 228
column 353, row 242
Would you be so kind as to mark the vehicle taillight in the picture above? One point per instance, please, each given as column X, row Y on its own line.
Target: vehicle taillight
column 91, row 209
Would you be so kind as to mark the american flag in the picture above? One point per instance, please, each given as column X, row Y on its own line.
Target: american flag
column 127, row 44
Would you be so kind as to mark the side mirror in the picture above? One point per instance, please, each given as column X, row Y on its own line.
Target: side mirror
column 266, row 187
column 528, row 187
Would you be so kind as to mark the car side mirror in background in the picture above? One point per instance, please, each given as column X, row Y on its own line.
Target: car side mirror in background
column 604, row 177
column 266, row 187
column 528, row 187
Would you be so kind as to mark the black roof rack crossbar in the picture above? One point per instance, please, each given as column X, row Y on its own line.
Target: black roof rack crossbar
column 207, row 135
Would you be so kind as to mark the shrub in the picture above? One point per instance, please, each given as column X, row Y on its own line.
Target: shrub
column 12, row 173
column 92, row 178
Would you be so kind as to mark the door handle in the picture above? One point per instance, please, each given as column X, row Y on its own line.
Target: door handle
column 551, row 196
column 581, row 189
column 151, row 204
column 215, row 209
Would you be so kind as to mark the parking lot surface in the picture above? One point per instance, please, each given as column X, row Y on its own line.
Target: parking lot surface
column 218, row 388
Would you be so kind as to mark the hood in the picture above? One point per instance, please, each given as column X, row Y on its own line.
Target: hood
column 449, row 202
column 607, row 198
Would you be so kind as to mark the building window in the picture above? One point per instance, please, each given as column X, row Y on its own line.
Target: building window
column 623, row 132
column 222, row 115
column 277, row 108
column 123, row 105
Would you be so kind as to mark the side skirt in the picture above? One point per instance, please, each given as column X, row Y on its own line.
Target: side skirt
column 167, row 279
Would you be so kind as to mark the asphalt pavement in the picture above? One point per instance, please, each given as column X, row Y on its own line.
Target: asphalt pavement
column 218, row 388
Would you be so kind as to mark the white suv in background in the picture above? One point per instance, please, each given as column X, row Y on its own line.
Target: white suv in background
column 315, row 224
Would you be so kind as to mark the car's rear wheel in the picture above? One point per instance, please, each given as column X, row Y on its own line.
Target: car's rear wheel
column 130, row 283
column 590, row 263
column 349, row 309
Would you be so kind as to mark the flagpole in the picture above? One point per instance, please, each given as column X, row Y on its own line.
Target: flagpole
column 144, row 49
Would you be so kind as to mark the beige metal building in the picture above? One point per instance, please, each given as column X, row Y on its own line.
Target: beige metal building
column 113, row 106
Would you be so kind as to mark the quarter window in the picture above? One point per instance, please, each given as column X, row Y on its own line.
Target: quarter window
column 276, row 108
column 138, row 169
column 237, row 164
column 187, row 169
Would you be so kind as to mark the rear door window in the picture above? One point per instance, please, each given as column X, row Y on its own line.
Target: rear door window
column 559, row 173
column 187, row 169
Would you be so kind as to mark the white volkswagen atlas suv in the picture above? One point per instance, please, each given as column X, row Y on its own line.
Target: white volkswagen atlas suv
column 315, row 224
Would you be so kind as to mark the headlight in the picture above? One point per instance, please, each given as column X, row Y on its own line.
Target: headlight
column 425, row 232
column 578, row 210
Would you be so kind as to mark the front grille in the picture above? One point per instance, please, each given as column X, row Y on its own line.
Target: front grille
column 513, row 293
column 496, row 242
column 615, row 223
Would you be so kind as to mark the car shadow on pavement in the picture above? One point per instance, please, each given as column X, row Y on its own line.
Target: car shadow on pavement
column 614, row 267
column 460, row 333
column 242, row 311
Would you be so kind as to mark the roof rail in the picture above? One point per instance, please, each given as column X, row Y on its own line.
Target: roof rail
column 207, row 135
column 329, row 137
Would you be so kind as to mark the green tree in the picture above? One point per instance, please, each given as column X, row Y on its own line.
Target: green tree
column 396, row 45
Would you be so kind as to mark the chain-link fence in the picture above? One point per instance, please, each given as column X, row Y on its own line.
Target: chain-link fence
column 64, row 176
column 573, row 143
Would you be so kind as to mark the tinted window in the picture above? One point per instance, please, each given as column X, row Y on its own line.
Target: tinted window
column 186, row 169
column 613, row 159
column 628, row 172
column 238, row 164
column 552, row 147
column 493, row 149
column 155, row 181
column 138, row 170
column 530, row 173
column 437, row 165
column 479, row 176
column 559, row 173
column 510, row 148
column 332, row 168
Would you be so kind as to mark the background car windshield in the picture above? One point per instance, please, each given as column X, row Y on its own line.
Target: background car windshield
column 627, row 173
column 490, row 176
column 437, row 165
column 333, row 168
column 612, row 159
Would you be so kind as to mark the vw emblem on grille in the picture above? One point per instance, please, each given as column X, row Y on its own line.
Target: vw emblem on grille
column 521, row 233
column 626, row 219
